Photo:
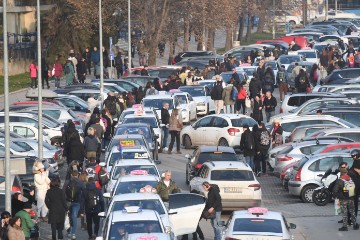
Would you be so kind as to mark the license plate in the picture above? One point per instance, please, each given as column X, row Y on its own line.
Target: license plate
column 232, row 190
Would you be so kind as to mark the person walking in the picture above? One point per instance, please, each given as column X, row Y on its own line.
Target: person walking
column 119, row 65
column 213, row 204
column 262, row 139
column 227, row 96
column 165, row 119
column 33, row 69
column 15, row 232
column 94, row 204
column 141, row 52
column 270, row 104
column 90, row 143
column 75, row 149
column 175, row 126
column 42, row 182
column 281, row 79
column 69, row 72
column 314, row 75
column 166, row 186
column 58, row 69
column 81, row 70
column 44, row 73
column 5, row 217
column 87, row 56
column 92, row 169
column 301, row 81
column 255, row 86
column 216, row 94
column 354, row 173
column 247, row 145
column 99, row 133
column 25, row 221
column 269, row 80
column 241, row 97
column 55, row 201
column 257, row 109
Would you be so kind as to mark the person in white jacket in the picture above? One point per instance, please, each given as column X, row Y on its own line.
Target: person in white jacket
column 42, row 183
column 92, row 103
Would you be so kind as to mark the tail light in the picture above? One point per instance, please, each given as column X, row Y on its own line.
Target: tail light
column 281, row 110
column 197, row 166
column 233, row 131
column 284, row 159
column 15, row 189
column 298, row 175
column 255, row 186
column 76, row 122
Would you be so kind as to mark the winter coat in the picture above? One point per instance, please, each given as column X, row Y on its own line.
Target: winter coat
column 55, row 201
column 284, row 79
column 68, row 135
column 100, row 207
column 15, row 233
column 33, row 70
column 75, row 150
column 214, row 199
column 95, row 57
column 270, row 104
column 257, row 137
column 99, row 130
column 90, row 143
column 81, row 68
column 256, row 113
column 278, row 140
column 236, row 77
column 164, row 190
column 242, row 94
column 108, row 127
column 42, row 181
column 216, row 92
column 356, row 179
column 58, row 70
column 246, row 135
column 80, row 187
column 299, row 84
column 26, row 223
column 338, row 188
column 165, row 116
column 92, row 103
column 175, row 123
column 70, row 76
column 226, row 95
column 254, row 87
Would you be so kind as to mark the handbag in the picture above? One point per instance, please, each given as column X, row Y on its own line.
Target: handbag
column 206, row 215
column 247, row 102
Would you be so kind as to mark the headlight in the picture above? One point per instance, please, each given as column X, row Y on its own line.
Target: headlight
column 200, row 104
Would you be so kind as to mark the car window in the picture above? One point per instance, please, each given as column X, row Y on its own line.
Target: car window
column 133, row 187
column 132, row 227
column 348, row 160
column 126, row 170
column 53, row 113
column 182, row 99
column 240, row 122
column 24, row 145
column 127, row 155
column 294, row 101
column 148, row 120
column 157, row 103
column 220, row 122
column 288, row 127
column 205, row 122
column 311, row 131
column 145, row 131
column 214, row 156
column 24, row 131
column 257, row 225
column 327, row 163
column 353, row 136
column 352, row 118
column 193, row 91
column 231, row 175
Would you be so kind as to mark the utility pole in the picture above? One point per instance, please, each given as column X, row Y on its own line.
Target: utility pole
column 273, row 19
column 6, row 119
column 40, row 126
column 129, row 38
column 326, row 9
column 304, row 8
column 101, row 55
column 336, row 7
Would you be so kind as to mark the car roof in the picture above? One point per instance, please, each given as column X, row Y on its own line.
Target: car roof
column 246, row 214
column 135, row 196
column 159, row 96
column 317, row 94
column 228, row 165
column 231, row 115
column 304, row 117
column 133, row 125
column 129, row 149
column 144, row 215
column 341, row 130
column 328, row 154
column 309, row 143
column 87, row 91
column 302, row 62
column 132, row 162
column 126, row 136
column 216, row 149
column 147, row 115
column 137, row 178
column 317, row 126
column 135, row 109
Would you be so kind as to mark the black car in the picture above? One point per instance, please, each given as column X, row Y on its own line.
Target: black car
column 341, row 75
column 139, row 80
column 143, row 129
column 69, row 88
column 207, row 154
column 188, row 54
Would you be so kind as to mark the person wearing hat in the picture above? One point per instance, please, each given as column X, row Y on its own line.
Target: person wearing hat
column 343, row 190
column 26, row 222
column 247, row 145
column 278, row 138
column 354, row 173
column 42, row 183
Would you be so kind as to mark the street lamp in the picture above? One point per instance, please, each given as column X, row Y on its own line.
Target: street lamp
column 129, row 38
column 40, row 129
column 101, row 55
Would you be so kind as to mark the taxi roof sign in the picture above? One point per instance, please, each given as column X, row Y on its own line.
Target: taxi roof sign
column 138, row 106
column 174, row 90
column 139, row 172
column 132, row 209
column 147, row 189
column 127, row 142
column 258, row 211
column 148, row 238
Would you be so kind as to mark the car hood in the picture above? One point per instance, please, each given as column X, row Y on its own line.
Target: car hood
column 199, row 99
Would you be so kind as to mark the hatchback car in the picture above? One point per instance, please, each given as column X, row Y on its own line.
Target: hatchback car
column 302, row 131
column 127, row 85
column 353, row 133
column 139, row 80
column 286, row 60
column 188, row 106
column 202, row 98
column 237, row 184
column 156, row 102
column 225, row 129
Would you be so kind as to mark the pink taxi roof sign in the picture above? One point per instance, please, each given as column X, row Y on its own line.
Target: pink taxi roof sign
column 258, row 211
column 148, row 189
column 139, row 172
column 174, row 90
column 137, row 106
column 148, row 238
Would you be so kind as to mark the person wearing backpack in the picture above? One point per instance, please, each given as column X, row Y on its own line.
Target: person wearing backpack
column 344, row 190
column 262, row 139
column 247, row 145
column 94, row 203
column 282, row 80
column 97, row 172
column 269, row 80
column 228, row 97
column 74, row 193
column 269, row 104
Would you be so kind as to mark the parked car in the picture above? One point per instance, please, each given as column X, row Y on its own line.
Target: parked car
column 25, row 130
column 139, row 80
column 127, row 85
column 188, row 107
column 302, row 131
column 202, row 98
column 353, row 133
column 351, row 116
column 340, row 75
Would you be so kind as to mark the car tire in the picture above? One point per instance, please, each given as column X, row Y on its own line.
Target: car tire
column 187, row 142
column 307, row 193
column 223, row 142
column 321, row 197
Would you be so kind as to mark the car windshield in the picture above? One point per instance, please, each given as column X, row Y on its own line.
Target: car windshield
column 193, row 91
column 118, row 230
column 13, row 146
column 48, row 121
column 216, row 156
column 157, row 103
column 319, row 48
column 133, row 187
column 350, row 125
column 127, row 155
column 21, row 145
column 132, row 111
column 272, row 65
column 257, row 225
column 287, row 59
column 134, row 130
column 249, row 71
column 232, row 175
column 240, row 122
column 227, row 76
column 148, row 120
column 131, row 141
column 150, row 204
column 308, row 54
column 182, row 99
column 126, row 170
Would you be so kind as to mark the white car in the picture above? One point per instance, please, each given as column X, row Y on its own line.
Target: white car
column 188, row 106
column 286, row 60
column 136, row 152
column 84, row 94
column 157, row 101
column 220, row 129
column 202, row 98
column 311, row 55
column 133, row 109
column 248, row 69
column 27, row 130
column 132, row 167
column 257, row 223
column 237, row 183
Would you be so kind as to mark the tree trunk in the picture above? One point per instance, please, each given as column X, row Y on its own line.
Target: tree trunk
column 249, row 27
column 210, row 39
column 234, row 29
column 152, row 54
column 186, row 32
column 261, row 23
column 242, row 26
column 200, row 39
column 228, row 44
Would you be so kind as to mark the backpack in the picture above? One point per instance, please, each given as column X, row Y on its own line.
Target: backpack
column 233, row 94
column 72, row 191
column 103, row 176
column 92, row 199
column 281, row 76
column 249, row 141
column 67, row 69
column 111, row 106
column 268, row 79
column 264, row 138
column 90, row 172
column 152, row 91
column 349, row 188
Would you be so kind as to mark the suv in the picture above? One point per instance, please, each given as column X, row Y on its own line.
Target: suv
column 206, row 154
column 293, row 101
column 341, row 75
column 237, row 184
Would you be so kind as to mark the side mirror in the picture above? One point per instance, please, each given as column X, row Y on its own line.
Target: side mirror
column 221, row 223
column 107, row 195
column 102, row 164
column 292, row 226
column 101, row 214
column 188, row 156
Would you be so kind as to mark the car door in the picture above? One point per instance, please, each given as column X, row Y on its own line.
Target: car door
column 323, row 164
column 201, row 128
column 219, row 129
column 185, row 210
column 195, row 184
column 192, row 106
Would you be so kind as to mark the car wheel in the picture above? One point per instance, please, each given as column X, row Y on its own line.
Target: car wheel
column 307, row 193
column 292, row 22
column 223, row 142
column 187, row 177
column 187, row 142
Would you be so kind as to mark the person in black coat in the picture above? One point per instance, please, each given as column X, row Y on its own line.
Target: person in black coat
column 257, row 109
column 247, row 144
column 301, row 81
column 81, row 70
column 18, row 201
column 262, row 139
column 69, row 129
column 165, row 119
column 75, row 149
column 56, row 203
column 255, row 86
column 214, row 203
column 354, row 173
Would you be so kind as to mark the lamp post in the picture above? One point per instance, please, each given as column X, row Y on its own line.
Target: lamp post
column 101, row 54
column 6, row 119
column 40, row 129
column 129, row 38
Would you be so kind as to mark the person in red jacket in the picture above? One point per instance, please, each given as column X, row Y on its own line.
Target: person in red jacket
column 33, row 69
column 57, row 70
column 242, row 94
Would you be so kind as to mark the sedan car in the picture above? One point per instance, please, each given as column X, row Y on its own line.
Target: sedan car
column 286, row 60
column 225, row 129
column 139, row 80
column 188, row 106
column 202, row 98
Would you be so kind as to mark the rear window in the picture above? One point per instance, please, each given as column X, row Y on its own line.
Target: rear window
column 286, row 150
column 302, row 162
column 257, row 225
column 240, row 122
column 294, row 101
column 232, row 175
column 211, row 156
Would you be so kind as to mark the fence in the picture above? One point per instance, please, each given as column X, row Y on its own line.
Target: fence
column 21, row 46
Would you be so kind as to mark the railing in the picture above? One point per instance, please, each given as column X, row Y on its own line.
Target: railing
column 22, row 3
column 21, row 46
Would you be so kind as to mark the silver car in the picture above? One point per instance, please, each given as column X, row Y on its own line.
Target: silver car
column 306, row 176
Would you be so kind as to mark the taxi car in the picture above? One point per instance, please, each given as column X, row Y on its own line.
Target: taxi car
column 127, row 140
column 238, row 186
column 202, row 97
column 188, row 106
column 136, row 108
column 132, row 167
column 257, row 223
column 118, row 153
column 157, row 101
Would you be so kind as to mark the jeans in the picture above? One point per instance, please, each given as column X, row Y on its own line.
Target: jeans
column 33, row 82
column 166, row 135
column 104, row 143
column 59, row 228
column 260, row 158
column 174, row 135
column 74, row 211
column 269, row 115
column 45, row 79
column 229, row 109
column 90, row 219
column 57, row 82
column 240, row 103
column 215, row 225
column 250, row 161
